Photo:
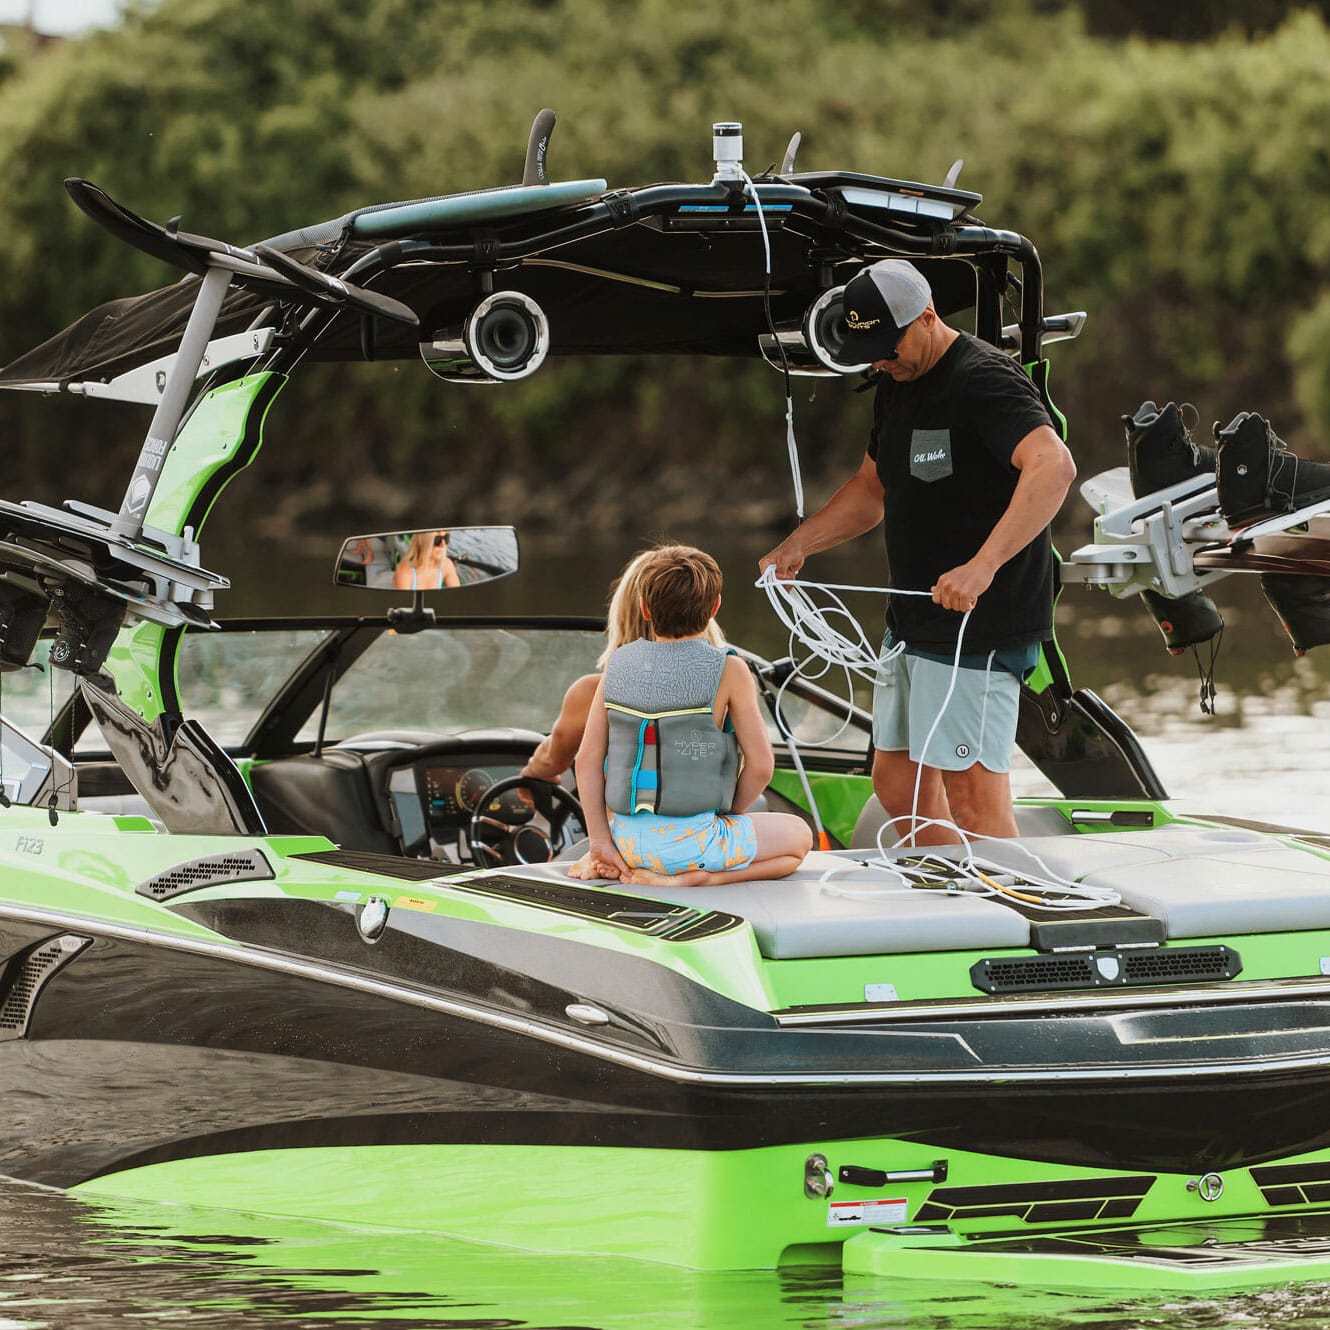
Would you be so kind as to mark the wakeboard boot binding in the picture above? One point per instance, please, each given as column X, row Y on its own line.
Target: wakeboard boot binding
column 1161, row 452
column 1257, row 474
column 22, row 617
column 1160, row 449
column 1260, row 477
column 87, row 621
column 1302, row 602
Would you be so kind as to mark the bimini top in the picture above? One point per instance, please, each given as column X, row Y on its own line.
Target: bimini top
column 732, row 267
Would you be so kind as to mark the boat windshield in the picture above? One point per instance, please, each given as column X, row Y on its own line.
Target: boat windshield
column 459, row 679
column 227, row 679
column 444, row 679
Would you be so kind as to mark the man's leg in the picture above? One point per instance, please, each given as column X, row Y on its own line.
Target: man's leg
column 967, row 719
column 981, row 801
column 895, row 772
column 894, row 776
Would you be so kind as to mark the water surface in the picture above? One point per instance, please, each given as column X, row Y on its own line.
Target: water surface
column 68, row 1263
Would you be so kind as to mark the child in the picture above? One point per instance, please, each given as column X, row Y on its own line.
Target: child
column 675, row 749
column 624, row 623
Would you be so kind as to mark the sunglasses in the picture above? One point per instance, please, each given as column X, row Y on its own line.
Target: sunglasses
column 896, row 354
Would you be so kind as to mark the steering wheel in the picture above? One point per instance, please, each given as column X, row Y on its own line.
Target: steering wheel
column 505, row 835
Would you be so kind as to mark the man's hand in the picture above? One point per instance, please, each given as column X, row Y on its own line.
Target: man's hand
column 787, row 558
column 960, row 588
column 524, row 794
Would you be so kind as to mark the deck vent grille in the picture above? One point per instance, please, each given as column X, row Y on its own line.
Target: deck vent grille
column 1106, row 968
column 211, row 871
column 27, row 975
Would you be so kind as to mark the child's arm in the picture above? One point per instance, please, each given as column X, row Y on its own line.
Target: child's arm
column 739, row 694
column 590, row 766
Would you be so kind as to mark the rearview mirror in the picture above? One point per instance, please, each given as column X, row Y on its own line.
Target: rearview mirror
column 427, row 560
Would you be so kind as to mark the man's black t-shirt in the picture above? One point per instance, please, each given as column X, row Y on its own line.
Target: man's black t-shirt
column 943, row 446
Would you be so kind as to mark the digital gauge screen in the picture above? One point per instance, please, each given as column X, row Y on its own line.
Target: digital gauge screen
column 452, row 793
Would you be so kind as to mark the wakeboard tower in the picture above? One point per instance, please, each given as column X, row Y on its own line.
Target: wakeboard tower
column 1094, row 1055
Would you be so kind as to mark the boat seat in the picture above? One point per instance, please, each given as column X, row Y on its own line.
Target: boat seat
column 1200, row 882
column 1031, row 820
column 330, row 795
column 796, row 917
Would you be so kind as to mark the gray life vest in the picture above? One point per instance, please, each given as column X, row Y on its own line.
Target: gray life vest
column 666, row 754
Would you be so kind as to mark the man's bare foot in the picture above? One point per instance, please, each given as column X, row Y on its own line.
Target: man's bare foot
column 642, row 877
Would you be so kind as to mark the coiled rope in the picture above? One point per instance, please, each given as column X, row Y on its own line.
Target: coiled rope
column 830, row 635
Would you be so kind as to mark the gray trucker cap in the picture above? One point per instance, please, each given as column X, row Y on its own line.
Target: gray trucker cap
column 880, row 302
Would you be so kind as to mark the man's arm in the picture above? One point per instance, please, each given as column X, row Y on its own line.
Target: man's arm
column 555, row 753
column 1046, row 472
column 854, row 508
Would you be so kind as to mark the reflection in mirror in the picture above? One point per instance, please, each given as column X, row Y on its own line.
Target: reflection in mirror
column 427, row 560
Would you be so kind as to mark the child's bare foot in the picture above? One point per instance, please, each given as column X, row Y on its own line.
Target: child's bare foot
column 587, row 869
column 642, row 877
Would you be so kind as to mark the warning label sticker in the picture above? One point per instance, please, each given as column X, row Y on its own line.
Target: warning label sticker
column 840, row 1213
column 414, row 903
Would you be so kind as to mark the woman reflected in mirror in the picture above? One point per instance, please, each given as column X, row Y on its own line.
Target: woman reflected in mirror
column 426, row 565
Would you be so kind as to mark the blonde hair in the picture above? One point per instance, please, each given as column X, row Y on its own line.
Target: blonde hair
column 421, row 549
column 624, row 621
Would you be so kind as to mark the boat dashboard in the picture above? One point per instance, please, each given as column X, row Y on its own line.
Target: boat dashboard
column 457, row 798
column 438, row 799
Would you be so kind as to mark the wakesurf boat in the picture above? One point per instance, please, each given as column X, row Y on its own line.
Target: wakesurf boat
column 281, row 932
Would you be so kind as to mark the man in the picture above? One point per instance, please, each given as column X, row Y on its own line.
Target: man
column 966, row 469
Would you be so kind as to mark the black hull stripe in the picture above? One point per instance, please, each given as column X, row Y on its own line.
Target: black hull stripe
column 1108, row 1076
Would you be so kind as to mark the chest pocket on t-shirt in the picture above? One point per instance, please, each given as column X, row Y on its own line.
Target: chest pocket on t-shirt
column 930, row 454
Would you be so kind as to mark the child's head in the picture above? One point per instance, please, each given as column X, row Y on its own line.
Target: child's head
column 680, row 586
column 624, row 621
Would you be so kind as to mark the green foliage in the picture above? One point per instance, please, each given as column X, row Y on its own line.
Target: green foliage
column 1307, row 346
column 1176, row 191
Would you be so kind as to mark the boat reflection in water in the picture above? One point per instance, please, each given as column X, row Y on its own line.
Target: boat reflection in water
column 101, row 1263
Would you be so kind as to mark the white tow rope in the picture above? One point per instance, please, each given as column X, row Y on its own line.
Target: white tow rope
column 829, row 633
column 796, row 476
